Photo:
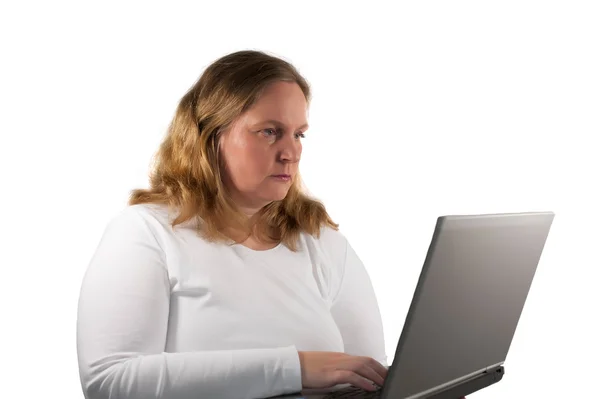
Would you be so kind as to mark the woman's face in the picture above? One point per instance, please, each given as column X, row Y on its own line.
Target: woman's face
column 264, row 142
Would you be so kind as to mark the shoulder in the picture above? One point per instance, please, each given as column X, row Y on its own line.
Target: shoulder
column 136, row 216
column 330, row 241
column 156, row 217
column 148, row 221
column 329, row 251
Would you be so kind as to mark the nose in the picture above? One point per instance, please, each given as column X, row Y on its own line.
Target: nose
column 290, row 148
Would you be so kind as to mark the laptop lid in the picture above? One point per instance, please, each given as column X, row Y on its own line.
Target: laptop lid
column 468, row 300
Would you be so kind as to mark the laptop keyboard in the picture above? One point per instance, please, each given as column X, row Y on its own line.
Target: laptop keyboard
column 353, row 392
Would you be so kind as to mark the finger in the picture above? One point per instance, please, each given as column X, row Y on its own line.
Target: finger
column 350, row 377
column 375, row 366
column 367, row 371
column 378, row 367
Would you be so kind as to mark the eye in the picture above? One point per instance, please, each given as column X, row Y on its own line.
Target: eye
column 269, row 130
column 273, row 132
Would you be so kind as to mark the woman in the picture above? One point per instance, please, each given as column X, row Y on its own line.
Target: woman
column 224, row 279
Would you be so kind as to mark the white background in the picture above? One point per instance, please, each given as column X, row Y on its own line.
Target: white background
column 420, row 109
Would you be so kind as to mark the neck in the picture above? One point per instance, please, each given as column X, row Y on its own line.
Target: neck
column 250, row 212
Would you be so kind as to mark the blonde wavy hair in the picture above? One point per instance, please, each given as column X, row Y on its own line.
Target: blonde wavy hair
column 186, row 174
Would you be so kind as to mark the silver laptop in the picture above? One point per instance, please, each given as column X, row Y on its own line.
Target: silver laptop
column 465, row 308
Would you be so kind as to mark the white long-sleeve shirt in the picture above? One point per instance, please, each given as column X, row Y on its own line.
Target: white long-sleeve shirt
column 166, row 314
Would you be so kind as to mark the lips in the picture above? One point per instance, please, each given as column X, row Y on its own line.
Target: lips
column 281, row 175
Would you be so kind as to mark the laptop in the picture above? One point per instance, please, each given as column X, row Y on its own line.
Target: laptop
column 465, row 308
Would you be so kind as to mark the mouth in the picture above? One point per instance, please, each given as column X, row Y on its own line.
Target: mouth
column 282, row 177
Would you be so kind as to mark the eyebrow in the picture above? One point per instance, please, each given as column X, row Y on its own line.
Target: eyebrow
column 277, row 123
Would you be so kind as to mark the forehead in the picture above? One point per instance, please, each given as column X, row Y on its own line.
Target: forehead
column 280, row 101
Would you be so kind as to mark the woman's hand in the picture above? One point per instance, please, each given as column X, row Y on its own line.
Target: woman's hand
column 327, row 369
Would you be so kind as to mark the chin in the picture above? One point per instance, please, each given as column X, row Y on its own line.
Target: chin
column 278, row 196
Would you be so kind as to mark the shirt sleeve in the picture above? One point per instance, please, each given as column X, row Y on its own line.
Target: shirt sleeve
column 356, row 311
column 122, row 322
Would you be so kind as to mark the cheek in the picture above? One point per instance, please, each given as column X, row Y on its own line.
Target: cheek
column 258, row 162
column 248, row 165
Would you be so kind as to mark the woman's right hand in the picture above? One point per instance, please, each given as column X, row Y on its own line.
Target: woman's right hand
column 327, row 369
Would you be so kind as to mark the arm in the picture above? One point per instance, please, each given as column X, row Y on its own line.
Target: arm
column 122, row 324
column 356, row 311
